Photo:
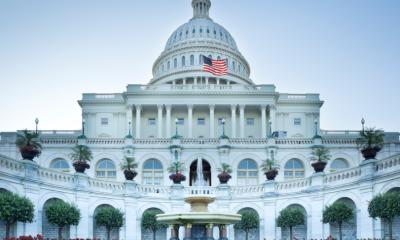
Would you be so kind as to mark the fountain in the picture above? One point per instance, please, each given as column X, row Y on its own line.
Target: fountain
column 199, row 222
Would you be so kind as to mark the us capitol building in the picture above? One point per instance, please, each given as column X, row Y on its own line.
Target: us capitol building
column 182, row 99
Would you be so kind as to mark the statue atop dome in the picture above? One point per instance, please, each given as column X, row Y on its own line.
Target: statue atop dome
column 201, row 8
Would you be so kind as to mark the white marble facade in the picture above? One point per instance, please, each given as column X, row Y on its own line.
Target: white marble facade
column 259, row 121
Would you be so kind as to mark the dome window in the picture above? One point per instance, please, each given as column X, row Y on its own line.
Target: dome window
column 208, row 31
column 183, row 61
column 187, row 32
column 201, row 59
column 234, row 65
column 194, row 31
column 168, row 65
column 191, row 60
column 162, row 67
column 201, row 30
column 175, row 63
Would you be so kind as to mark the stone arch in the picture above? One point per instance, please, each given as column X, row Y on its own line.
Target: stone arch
column 396, row 220
column 49, row 230
column 247, row 172
column 146, row 157
column 254, row 234
column 294, row 168
column 9, row 188
column 302, row 158
column 349, row 229
column 207, row 170
column 54, row 156
column 152, row 172
column 239, row 158
column 350, row 160
column 147, row 234
column 188, row 160
column 100, row 232
column 300, row 232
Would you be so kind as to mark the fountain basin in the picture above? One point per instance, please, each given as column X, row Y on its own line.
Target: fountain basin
column 198, row 218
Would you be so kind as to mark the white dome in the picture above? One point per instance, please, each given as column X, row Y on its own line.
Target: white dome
column 201, row 36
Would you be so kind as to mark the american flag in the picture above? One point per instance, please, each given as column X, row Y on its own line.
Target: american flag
column 215, row 67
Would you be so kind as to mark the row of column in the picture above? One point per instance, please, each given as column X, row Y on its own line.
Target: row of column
column 263, row 110
column 188, row 232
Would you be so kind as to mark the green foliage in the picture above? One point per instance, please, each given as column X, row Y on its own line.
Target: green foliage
column 129, row 164
column 371, row 138
column 269, row 164
column 149, row 220
column 225, row 168
column 109, row 217
column 290, row 217
column 62, row 214
column 338, row 212
column 385, row 206
column 14, row 208
column 250, row 220
column 81, row 153
column 176, row 167
column 27, row 138
column 320, row 154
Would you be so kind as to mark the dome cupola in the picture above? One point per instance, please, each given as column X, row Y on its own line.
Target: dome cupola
column 181, row 62
column 201, row 8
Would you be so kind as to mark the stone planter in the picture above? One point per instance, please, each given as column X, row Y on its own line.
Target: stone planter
column 319, row 166
column 80, row 166
column 130, row 174
column 370, row 153
column 177, row 178
column 271, row 174
column 29, row 152
column 224, row 177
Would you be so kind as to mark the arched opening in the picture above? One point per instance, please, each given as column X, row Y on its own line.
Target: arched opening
column 50, row 231
column 349, row 229
column 254, row 234
column 395, row 224
column 294, row 168
column 148, row 233
column 100, row 232
column 300, row 231
column 60, row 164
column 339, row 164
column 105, row 168
column 247, row 173
column 3, row 225
column 152, row 172
column 206, row 173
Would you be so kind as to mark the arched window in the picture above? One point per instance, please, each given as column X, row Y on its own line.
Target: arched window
column 183, row 61
column 106, row 169
column 168, row 65
column 247, row 172
column 191, row 60
column 162, row 67
column 60, row 164
column 234, row 65
column 175, row 63
column 339, row 164
column 201, row 59
column 152, row 172
column 294, row 168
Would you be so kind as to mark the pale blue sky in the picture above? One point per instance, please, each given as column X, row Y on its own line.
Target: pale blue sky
column 51, row 51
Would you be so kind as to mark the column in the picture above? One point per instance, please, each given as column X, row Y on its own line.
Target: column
column 233, row 121
column 159, row 118
column 174, row 232
column 190, row 120
column 223, row 234
column 168, row 121
column 188, row 231
column 263, row 121
column 212, row 120
column 272, row 117
column 209, row 231
column 241, row 109
column 138, row 118
column 129, row 111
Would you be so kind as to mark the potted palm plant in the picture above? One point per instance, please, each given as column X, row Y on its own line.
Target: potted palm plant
column 270, row 169
column 28, row 144
column 81, row 156
column 129, row 168
column 320, row 156
column 370, row 142
column 225, row 171
column 176, row 169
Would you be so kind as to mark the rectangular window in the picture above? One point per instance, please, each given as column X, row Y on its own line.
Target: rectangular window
column 181, row 121
column 250, row 121
column 151, row 121
column 104, row 121
column 297, row 121
column 201, row 121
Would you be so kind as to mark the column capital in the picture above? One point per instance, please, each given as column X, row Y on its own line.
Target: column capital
column 188, row 225
column 242, row 106
column 233, row 107
column 211, row 106
column 190, row 106
column 272, row 107
column 138, row 106
column 160, row 106
column 168, row 106
column 263, row 107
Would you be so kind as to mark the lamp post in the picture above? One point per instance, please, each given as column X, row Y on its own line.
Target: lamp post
column 36, row 122
column 270, row 129
column 83, row 127
column 316, row 128
column 223, row 128
column 129, row 129
column 362, row 123
column 176, row 127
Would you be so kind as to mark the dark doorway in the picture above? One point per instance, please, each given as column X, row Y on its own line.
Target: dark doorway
column 206, row 173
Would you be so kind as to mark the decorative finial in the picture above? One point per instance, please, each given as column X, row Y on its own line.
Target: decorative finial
column 201, row 8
